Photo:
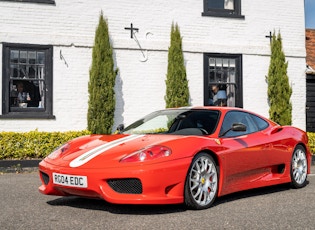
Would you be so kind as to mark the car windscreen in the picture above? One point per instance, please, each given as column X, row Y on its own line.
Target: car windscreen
column 176, row 121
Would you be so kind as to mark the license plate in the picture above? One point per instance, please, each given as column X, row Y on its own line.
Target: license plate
column 70, row 180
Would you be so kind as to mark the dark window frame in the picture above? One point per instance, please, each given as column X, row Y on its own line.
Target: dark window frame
column 34, row 1
column 238, row 80
column 38, row 113
column 235, row 13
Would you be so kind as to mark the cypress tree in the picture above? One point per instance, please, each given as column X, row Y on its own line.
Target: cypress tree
column 279, row 89
column 101, row 105
column 177, row 92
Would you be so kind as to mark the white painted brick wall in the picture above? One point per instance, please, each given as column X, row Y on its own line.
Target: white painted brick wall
column 70, row 26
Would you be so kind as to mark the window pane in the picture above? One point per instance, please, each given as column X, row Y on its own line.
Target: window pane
column 14, row 71
column 23, row 56
column 40, row 57
column 221, row 4
column 14, row 56
column 219, row 62
column 40, row 72
column 226, row 62
column 42, row 93
column 25, row 94
column 262, row 124
column 32, row 57
column 215, row 4
column 23, row 73
column 32, row 71
column 211, row 62
column 229, row 4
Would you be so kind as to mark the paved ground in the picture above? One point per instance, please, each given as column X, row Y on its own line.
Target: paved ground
column 276, row 207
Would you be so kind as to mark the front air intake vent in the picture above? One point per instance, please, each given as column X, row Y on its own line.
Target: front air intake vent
column 45, row 178
column 127, row 186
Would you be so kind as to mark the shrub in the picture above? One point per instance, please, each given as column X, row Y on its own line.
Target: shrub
column 279, row 89
column 311, row 141
column 177, row 92
column 102, row 82
column 34, row 144
column 37, row 145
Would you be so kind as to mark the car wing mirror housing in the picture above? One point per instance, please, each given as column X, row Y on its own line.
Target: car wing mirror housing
column 120, row 128
column 238, row 127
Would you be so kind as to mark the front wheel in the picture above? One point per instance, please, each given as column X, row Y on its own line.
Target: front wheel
column 201, row 187
column 299, row 167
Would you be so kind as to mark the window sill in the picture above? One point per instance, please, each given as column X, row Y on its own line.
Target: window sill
column 27, row 115
column 52, row 2
column 222, row 15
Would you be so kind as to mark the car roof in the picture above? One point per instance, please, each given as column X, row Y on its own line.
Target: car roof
column 225, row 109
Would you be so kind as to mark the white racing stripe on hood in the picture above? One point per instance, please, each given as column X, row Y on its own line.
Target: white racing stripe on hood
column 89, row 155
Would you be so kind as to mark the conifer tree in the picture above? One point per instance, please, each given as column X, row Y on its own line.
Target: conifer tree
column 279, row 89
column 103, row 74
column 177, row 92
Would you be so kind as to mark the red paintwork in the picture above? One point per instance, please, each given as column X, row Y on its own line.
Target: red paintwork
column 245, row 162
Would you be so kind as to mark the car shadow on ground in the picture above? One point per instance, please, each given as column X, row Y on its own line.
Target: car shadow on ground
column 252, row 193
column 98, row 204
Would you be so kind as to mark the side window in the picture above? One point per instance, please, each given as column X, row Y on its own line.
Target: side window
column 222, row 8
column 261, row 123
column 27, row 81
column 233, row 117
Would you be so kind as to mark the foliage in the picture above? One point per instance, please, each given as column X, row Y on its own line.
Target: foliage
column 279, row 89
column 102, row 82
column 177, row 92
column 37, row 145
column 311, row 141
column 34, row 144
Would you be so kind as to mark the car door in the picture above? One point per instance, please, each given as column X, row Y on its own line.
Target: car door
column 246, row 155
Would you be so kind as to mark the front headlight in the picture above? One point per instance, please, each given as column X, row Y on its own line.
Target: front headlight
column 58, row 151
column 149, row 153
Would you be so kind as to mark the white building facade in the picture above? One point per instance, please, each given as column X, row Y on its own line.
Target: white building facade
column 47, row 45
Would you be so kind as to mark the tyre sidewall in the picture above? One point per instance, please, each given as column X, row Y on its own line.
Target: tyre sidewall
column 188, row 198
column 293, row 181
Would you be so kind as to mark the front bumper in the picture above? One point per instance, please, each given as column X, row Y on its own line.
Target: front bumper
column 161, row 183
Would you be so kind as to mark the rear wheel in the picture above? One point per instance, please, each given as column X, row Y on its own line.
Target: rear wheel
column 299, row 167
column 201, row 185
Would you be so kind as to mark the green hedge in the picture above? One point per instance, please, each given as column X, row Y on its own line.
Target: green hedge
column 311, row 141
column 34, row 144
column 38, row 145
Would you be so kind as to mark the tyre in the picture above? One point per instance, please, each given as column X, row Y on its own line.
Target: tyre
column 299, row 167
column 201, row 186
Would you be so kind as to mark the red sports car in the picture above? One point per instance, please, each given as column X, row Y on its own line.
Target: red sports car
column 183, row 155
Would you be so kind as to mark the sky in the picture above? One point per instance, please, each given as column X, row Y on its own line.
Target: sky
column 310, row 14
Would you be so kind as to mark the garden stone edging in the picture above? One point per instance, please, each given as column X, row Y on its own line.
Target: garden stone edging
column 18, row 166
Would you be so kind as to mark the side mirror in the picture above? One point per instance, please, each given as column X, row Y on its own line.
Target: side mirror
column 120, row 128
column 237, row 127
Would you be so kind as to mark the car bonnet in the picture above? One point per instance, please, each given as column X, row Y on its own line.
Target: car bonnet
column 106, row 151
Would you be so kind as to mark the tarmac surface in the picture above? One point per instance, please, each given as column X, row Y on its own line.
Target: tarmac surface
column 272, row 208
